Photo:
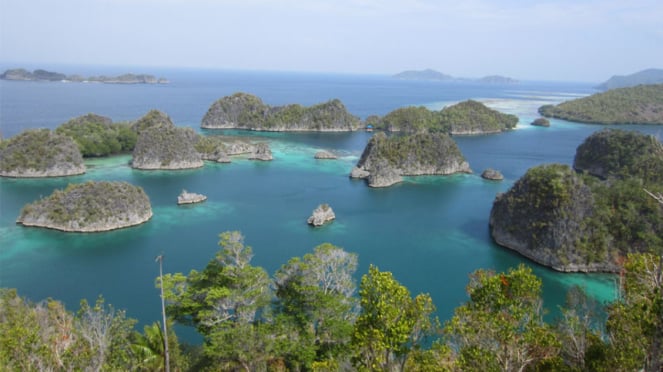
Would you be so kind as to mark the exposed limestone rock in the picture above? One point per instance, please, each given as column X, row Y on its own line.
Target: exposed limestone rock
column 40, row 153
column 548, row 224
column 186, row 197
column 321, row 215
column 492, row 174
column 261, row 152
column 386, row 159
column 89, row 207
column 166, row 148
column 325, row 155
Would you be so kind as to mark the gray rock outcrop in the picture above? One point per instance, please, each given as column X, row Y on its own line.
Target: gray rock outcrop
column 321, row 215
column 545, row 224
column 40, row 153
column 492, row 174
column 186, row 197
column 325, row 155
column 261, row 151
column 166, row 148
column 386, row 159
column 89, row 207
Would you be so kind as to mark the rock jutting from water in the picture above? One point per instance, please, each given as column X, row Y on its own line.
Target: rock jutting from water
column 541, row 122
column 166, row 148
column 323, row 154
column 386, row 159
column 321, row 215
column 492, row 174
column 261, row 151
column 40, row 153
column 89, row 207
column 186, row 197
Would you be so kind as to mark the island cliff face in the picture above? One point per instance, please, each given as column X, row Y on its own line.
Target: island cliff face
column 89, row 207
column 543, row 218
column 587, row 221
column 385, row 159
column 40, row 153
column 245, row 111
column 166, row 148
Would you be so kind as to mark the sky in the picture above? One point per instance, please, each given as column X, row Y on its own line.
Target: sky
column 567, row 40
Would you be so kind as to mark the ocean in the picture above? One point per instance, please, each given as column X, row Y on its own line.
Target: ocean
column 430, row 232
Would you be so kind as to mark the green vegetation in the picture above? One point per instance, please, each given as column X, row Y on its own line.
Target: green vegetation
column 98, row 136
column 39, row 150
column 612, row 153
column 468, row 117
column 90, row 206
column 308, row 318
column 154, row 118
column 577, row 221
column 414, row 154
column 246, row 111
column 167, row 147
column 636, row 105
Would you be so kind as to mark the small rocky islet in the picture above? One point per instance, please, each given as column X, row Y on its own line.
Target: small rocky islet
column 89, row 207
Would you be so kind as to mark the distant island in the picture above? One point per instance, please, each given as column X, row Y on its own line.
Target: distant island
column 246, row 111
column 21, row 74
column 642, row 104
column 432, row 75
column 463, row 118
column 649, row 76
column 89, row 207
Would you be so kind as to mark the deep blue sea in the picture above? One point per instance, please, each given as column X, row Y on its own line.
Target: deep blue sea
column 431, row 232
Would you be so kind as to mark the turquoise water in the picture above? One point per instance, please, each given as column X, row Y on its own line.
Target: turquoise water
column 431, row 232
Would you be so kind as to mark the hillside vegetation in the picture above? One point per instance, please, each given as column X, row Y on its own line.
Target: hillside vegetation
column 97, row 135
column 468, row 117
column 88, row 207
column 636, row 105
column 246, row 111
column 579, row 222
column 40, row 153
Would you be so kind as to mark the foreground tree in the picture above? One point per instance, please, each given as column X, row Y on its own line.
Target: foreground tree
column 391, row 324
column 579, row 332
column 501, row 327
column 635, row 322
column 316, row 293
column 226, row 302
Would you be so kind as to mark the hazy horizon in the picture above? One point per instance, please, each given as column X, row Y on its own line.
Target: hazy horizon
column 564, row 40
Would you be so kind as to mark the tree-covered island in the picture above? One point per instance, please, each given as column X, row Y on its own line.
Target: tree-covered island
column 642, row 104
column 467, row 117
column 21, row 74
column 590, row 218
column 89, row 207
column 386, row 159
column 246, row 111
column 40, row 153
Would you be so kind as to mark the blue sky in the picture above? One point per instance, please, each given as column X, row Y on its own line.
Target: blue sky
column 572, row 40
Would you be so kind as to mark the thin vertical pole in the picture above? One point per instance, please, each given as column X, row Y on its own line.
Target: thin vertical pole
column 163, row 313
